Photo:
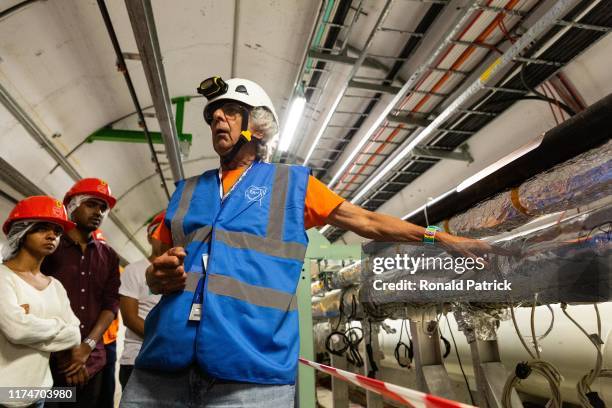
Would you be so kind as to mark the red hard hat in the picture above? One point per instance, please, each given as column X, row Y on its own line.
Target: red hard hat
column 94, row 187
column 40, row 208
column 158, row 219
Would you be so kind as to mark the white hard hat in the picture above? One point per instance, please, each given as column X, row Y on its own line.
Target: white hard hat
column 245, row 91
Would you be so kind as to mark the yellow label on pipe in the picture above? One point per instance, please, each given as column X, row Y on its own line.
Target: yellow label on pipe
column 485, row 75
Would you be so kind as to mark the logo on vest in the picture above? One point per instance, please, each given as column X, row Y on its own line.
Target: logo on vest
column 255, row 193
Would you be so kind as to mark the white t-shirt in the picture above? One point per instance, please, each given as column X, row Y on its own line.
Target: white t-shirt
column 27, row 339
column 134, row 285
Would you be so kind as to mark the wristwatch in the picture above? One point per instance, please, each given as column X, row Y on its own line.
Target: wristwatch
column 91, row 343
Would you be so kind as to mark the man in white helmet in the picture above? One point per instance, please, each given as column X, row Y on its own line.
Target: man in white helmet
column 226, row 330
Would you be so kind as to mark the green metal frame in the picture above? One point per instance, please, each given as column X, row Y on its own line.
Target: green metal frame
column 319, row 248
column 108, row 134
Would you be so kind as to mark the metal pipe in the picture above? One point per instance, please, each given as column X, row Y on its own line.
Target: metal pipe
column 128, row 80
column 344, row 59
column 409, row 84
column 37, row 134
column 373, row 87
column 8, row 197
column 356, row 66
column 558, row 145
column 17, row 181
column 143, row 25
column 548, row 20
column 235, row 37
column 584, row 26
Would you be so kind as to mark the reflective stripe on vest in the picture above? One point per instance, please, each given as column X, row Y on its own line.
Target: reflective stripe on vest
column 265, row 245
column 192, row 281
column 200, row 235
column 255, row 295
column 176, row 226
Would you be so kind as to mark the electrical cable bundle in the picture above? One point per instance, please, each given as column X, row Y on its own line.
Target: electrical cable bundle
column 354, row 336
column 524, row 369
column 404, row 353
column 373, row 367
column 432, row 331
column 589, row 398
column 339, row 342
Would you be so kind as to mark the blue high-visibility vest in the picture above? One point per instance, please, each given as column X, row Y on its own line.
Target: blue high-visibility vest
column 254, row 242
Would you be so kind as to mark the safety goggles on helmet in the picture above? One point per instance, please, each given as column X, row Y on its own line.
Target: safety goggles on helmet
column 212, row 87
column 231, row 110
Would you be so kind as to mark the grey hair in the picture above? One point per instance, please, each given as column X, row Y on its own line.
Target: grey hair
column 263, row 124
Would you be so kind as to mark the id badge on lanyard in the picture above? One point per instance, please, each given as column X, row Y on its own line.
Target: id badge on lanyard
column 196, row 305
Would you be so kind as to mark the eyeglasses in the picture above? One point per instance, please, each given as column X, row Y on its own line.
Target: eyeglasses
column 212, row 87
column 231, row 110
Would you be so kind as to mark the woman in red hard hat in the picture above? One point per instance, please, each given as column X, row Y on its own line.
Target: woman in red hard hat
column 35, row 314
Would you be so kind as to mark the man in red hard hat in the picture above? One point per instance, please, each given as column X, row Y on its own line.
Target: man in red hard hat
column 89, row 270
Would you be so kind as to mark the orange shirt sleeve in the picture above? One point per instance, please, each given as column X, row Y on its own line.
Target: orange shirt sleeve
column 320, row 202
column 163, row 234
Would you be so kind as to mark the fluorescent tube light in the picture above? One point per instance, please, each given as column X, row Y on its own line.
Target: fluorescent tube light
column 293, row 120
column 504, row 161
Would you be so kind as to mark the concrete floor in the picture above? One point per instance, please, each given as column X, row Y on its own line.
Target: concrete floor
column 324, row 398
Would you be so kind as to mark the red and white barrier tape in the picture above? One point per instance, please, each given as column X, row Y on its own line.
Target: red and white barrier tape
column 396, row 393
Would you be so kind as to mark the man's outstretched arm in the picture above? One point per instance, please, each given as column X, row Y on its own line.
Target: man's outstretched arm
column 382, row 227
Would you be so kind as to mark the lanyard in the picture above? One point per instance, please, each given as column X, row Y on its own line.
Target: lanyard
column 224, row 196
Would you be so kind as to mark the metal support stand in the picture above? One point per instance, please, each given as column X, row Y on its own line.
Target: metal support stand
column 340, row 389
column 373, row 400
column 306, row 396
column 490, row 374
column 431, row 375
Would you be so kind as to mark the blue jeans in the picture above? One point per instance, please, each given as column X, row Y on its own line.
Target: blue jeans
column 193, row 389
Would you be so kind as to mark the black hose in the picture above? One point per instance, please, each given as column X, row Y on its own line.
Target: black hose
column 18, row 6
column 408, row 354
column 541, row 96
column 126, row 74
column 492, row 105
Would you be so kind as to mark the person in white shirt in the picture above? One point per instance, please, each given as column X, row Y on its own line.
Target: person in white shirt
column 136, row 301
column 35, row 314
